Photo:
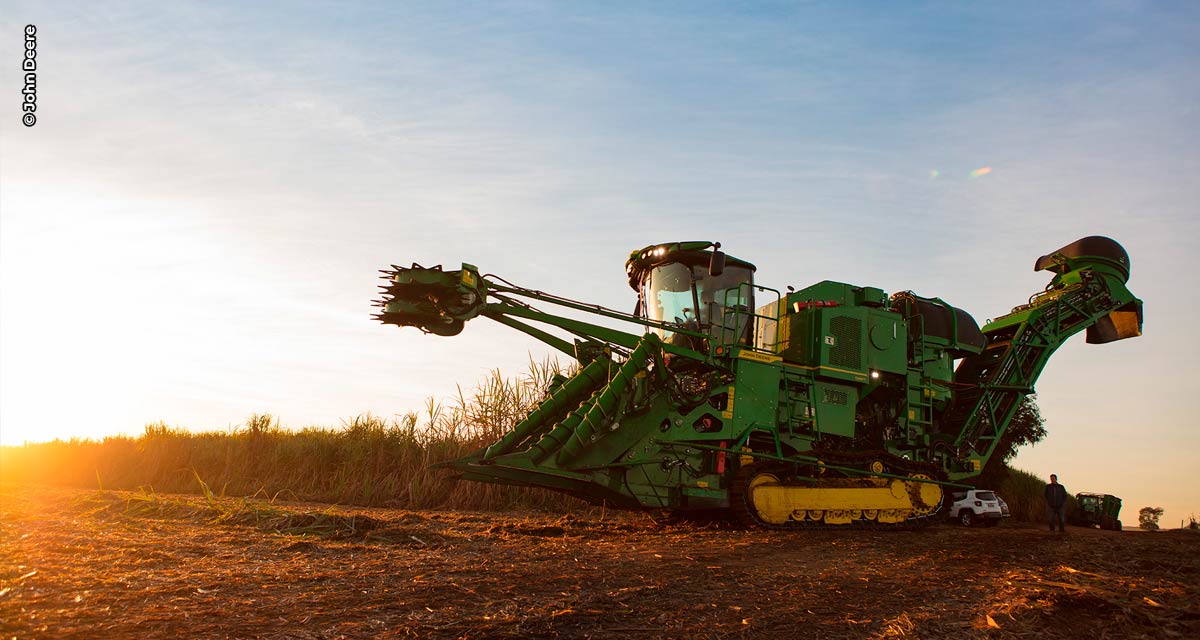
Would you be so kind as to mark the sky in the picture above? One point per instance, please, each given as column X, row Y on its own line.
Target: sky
column 191, row 231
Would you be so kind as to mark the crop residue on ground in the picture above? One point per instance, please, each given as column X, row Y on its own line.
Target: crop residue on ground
column 109, row 564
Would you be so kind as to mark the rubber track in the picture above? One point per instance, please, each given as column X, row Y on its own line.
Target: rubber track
column 746, row 514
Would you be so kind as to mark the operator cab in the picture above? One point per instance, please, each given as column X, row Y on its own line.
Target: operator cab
column 688, row 286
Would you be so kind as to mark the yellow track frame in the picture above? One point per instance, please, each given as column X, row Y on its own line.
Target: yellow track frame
column 842, row 501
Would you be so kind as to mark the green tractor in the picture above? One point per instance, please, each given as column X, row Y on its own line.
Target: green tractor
column 832, row 406
column 1096, row 510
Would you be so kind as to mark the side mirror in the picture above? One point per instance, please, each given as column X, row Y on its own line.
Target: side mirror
column 716, row 264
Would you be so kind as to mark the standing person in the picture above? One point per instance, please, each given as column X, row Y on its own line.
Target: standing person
column 1056, row 503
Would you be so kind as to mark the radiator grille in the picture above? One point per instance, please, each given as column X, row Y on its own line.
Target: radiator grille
column 847, row 351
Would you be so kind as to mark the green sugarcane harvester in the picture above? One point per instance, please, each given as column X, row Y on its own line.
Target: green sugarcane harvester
column 831, row 406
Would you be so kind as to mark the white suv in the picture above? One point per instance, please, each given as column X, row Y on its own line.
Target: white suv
column 977, row 506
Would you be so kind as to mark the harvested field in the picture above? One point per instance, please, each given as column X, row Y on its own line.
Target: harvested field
column 91, row 564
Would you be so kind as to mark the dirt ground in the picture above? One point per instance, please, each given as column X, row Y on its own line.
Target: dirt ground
column 91, row 564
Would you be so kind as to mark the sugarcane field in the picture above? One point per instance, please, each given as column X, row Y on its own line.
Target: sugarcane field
column 108, row 564
column 599, row 320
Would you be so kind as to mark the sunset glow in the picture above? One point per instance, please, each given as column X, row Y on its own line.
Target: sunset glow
column 192, row 231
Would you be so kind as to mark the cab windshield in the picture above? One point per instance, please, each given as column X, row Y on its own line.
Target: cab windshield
column 672, row 292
